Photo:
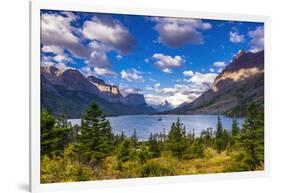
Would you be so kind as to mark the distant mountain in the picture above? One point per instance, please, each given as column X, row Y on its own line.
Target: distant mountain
column 238, row 85
column 69, row 93
column 163, row 107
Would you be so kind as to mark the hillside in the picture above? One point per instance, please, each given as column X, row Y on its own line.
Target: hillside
column 238, row 85
column 70, row 93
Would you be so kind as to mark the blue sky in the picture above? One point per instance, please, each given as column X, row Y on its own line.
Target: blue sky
column 169, row 59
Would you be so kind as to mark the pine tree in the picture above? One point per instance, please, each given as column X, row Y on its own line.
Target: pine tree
column 176, row 142
column 55, row 134
column 252, row 138
column 219, row 136
column 134, row 139
column 234, row 134
column 154, row 146
column 235, row 129
column 96, row 139
column 124, row 151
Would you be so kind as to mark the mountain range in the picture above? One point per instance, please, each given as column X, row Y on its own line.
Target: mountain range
column 69, row 93
column 237, row 86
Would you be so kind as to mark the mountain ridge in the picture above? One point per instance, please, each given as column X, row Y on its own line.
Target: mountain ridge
column 238, row 85
column 69, row 93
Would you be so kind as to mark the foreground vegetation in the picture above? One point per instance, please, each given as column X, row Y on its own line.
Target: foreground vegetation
column 92, row 152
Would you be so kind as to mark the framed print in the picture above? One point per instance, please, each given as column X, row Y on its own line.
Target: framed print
column 122, row 96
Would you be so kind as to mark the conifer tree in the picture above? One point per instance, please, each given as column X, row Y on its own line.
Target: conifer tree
column 95, row 141
column 176, row 142
column 134, row 139
column 219, row 136
column 234, row 133
column 55, row 134
column 154, row 146
column 252, row 138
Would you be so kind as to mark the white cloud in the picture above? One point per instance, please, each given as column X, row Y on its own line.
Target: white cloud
column 87, row 71
column 152, row 99
column 146, row 60
column 235, row 37
column 56, row 30
column 219, row 70
column 119, row 57
column 62, row 58
column 110, row 32
column 125, row 91
column 176, row 32
column 132, row 75
column 257, row 41
column 104, row 72
column 157, row 85
column 219, row 64
column 203, row 80
column 188, row 73
column 62, row 67
column 166, row 63
column 211, row 70
column 179, row 93
column 52, row 49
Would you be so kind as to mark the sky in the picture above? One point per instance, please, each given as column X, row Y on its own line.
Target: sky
column 165, row 59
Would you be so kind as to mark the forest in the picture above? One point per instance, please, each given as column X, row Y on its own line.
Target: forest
column 91, row 151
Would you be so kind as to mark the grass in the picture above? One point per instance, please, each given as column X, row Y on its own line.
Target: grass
column 166, row 165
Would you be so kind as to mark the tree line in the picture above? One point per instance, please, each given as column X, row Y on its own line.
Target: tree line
column 90, row 151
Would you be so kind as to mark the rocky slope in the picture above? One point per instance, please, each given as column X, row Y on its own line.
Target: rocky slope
column 69, row 93
column 238, row 85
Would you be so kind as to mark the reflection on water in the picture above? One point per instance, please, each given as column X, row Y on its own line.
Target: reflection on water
column 146, row 124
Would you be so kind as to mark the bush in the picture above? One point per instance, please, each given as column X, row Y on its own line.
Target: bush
column 152, row 169
column 63, row 168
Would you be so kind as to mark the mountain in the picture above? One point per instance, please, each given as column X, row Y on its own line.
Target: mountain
column 69, row 93
column 238, row 85
column 166, row 106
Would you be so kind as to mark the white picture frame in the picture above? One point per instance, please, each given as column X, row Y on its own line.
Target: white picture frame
column 36, row 6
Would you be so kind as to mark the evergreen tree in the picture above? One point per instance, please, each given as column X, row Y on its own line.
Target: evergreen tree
column 252, row 138
column 124, row 152
column 95, row 141
column 55, row 134
column 235, row 129
column 219, row 136
column 234, row 133
column 176, row 142
column 134, row 139
column 154, row 146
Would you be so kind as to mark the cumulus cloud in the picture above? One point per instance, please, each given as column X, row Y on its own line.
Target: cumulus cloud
column 188, row 73
column 132, row 75
column 166, row 63
column 56, row 30
column 202, row 81
column 257, row 39
column 104, row 72
column 176, row 32
column 235, row 37
column 103, row 33
column 111, row 32
column 126, row 90
column 52, row 49
column 219, row 64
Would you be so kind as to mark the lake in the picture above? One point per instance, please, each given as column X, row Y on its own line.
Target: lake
column 146, row 124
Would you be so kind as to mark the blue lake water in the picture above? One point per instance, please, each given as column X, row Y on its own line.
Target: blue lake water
column 146, row 124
